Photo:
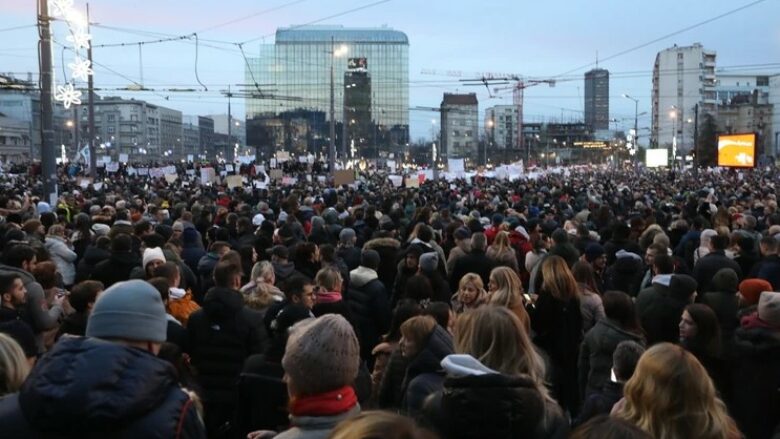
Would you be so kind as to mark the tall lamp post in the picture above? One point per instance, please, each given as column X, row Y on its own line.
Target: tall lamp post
column 434, row 151
column 673, row 116
column 491, row 123
column 635, row 140
column 333, row 52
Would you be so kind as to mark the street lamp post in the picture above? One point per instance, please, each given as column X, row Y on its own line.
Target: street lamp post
column 434, row 152
column 636, row 124
column 673, row 116
column 491, row 135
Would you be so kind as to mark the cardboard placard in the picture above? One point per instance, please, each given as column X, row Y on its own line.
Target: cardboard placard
column 123, row 158
column 413, row 182
column 276, row 174
column 207, row 175
column 235, row 181
column 344, row 177
column 171, row 178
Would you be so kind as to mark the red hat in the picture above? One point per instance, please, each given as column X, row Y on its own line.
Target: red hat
column 751, row 289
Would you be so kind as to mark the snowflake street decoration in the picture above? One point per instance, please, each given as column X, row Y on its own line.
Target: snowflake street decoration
column 80, row 68
column 59, row 8
column 80, row 40
column 68, row 95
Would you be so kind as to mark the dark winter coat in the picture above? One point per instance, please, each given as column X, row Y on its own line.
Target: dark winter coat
column 191, row 255
column 284, row 272
column 389, row 394
column 755, row 381
column 595, row 363
column 708, row 265
column 388, row 256
column 613, row 246
column 262, row 396
column 370, row 307
column 768, row 269
column 221, row 335
column 92, row 256
column 659, row 310
column 600, row 403
column 475, row 261
column 558, row 328
column 90, row 388
column 425, row 376
column 115, row 269
column 74, row 324
column 726, row 305
column 350, row 256
column 491, row 406
column 205, row 269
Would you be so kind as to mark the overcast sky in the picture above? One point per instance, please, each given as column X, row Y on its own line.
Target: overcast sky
column 532, row 38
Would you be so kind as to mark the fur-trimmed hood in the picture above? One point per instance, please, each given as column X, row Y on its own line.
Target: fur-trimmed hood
column 382, row 242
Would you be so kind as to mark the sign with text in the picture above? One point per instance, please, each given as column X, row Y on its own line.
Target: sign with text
column 737, row 150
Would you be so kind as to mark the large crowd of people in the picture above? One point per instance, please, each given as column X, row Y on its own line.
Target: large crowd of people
column 581, row 303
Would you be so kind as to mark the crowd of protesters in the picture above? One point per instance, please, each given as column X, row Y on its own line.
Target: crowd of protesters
column 584, row 303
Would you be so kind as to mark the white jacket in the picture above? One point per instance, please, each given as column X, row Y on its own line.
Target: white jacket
column 63, row 257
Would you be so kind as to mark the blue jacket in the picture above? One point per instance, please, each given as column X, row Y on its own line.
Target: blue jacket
column 89, row 388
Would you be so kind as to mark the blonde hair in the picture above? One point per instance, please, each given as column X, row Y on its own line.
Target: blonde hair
column 509, row 293
column 557, row 278
column 671, row 396
column 379, row 425
column 418, row 329
column 13, row 365
column 328, row 278
column 261, row 270
column 261, row 298
column 56, row 230
column 471, row 278
column 501, row 243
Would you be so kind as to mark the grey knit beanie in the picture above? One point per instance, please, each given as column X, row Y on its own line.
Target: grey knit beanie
column 131, row 310
column 322, row 354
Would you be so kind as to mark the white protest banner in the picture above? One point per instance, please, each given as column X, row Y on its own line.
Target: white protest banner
column 229, row 168
column 397, row 180
column 302, row 159
column 282, row 156
column 98, row 186
column 413, row 182
column 190, row 172
column 143, row 171
column 190, row 158
column 207, row 175
column 112, row 167
column 455, row 165
column 156, row 173
column 273, row 163
column 170, row 169
column 171, row 178
column 391, row 165
column 289, row 181
column 131, row 171
column 123, row 158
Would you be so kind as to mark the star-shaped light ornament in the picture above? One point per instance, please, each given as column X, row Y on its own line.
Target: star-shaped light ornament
column 59, row 8
column 68, row 95
column 80, row 40
column 80, row 68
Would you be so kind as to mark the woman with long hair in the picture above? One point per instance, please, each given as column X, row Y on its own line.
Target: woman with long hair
column 496, row 368
column 502, row 253
column 590, row 300
column 389, row 364
column 506, row 289
column 13, row 365
column 700, row 335
column 557, row 322
column 425, row 344
column 620, row 324
column 471, row 294
column 671, row 396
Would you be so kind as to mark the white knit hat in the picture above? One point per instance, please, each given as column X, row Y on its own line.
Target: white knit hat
column 153, row 254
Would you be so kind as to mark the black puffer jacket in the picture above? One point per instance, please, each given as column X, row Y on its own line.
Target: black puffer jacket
column 595, row 362
column 90, row 388
column 115, row 269
column 92, row 256
column 221, row 335
column 388, row 249
column 492, row 406
column 370, row 308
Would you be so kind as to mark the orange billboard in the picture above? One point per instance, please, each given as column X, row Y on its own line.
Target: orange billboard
column 737, row 150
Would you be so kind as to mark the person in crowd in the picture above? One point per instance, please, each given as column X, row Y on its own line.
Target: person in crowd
column 700, row 335
column 328, row 297
column 495, row 227
column 755, row 361
column 745, row 251
column 369, row 303
column 151, row 259
column 13, row 365
column 624, row 361
column 749, row 293
column 23, row 335
column 505, row 289
column 180, row 303
column 175, row 332
column 221, row 335
column 768, row 267
column 428, row 267
column 471, row 294
column 284, row 269
column 597, row 259
column 380, row 425
column 321, row 364
column 557, row 322
column 659, row 308
column 723, row 300
column 385, row 243
column 307, row 259
column 93, row 255
column 204, row 267
column 608, row 427
column 670, row 395
column 120, row 265
column 408, row 266
column 651, row 252
column 462, row 237
column 384, row 351
column 502, row 253
column 563, row 248
column 192, row 251
column 625, row 274
column 704, row 245
column 347, row 250
column 590, row 300
column 496, row 368
column 442, row 313
column 476, row 261
column 425, row 344
column 82, row 298
column 130, row 392
column 263, row 274
column 61, row 254
column 620, row 241
column 20, row 261
column 708, row 265
column 596, row 353
column 13, row 296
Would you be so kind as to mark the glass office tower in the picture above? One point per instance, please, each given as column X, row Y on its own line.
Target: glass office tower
column 290, row 106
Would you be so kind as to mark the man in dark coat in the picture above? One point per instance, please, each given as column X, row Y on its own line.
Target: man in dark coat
column 474, row 262
column 564, row 248
column 118, row 267
column 659, row 307
column 768, row 267
column 708, row 265
column 388, row 248
column 369, row 303
column 347, row 250
column 221, row 335
column 109, row 383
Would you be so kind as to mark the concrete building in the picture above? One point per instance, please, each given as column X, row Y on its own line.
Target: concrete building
column 682, row 78
column 731, row 85
column 774, row 100
column 501, row 127
column 289, row 113
column 459, row 126
column 597, row 99
column 15, row 141
column 744, row 114
column 237, row 129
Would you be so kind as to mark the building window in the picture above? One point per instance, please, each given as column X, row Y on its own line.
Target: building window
column 110, row 118
column 110, row 130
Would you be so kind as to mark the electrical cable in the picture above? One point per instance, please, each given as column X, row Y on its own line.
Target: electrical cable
column 197, row 77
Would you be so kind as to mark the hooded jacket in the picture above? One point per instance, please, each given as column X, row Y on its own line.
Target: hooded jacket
column 477, row 402
column 90, row 388
column 388, row 249
column 707, row 266
column 42, row 317
column 659, row 307
column 115, row 269
column 92, row 256
column 370, row 307
column 221, row 335
column 63, row 257
column 595, row 362
column 723, row 300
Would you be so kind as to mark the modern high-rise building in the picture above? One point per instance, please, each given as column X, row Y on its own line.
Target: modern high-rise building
column 459, row 126
column 501, row 127
column 682, row 78
column 290, row 106
column 597, row 99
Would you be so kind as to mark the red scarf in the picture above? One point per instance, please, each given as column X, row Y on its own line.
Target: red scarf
column 328, row 297
column 753, row 321
column 325, row 404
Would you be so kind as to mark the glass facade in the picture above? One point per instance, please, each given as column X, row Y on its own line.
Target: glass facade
column 290, row 107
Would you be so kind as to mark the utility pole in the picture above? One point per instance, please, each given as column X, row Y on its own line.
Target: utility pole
column 332, row 143
column 230, row 125
column 696, row 140
column 91, row 104
column 48, row 164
